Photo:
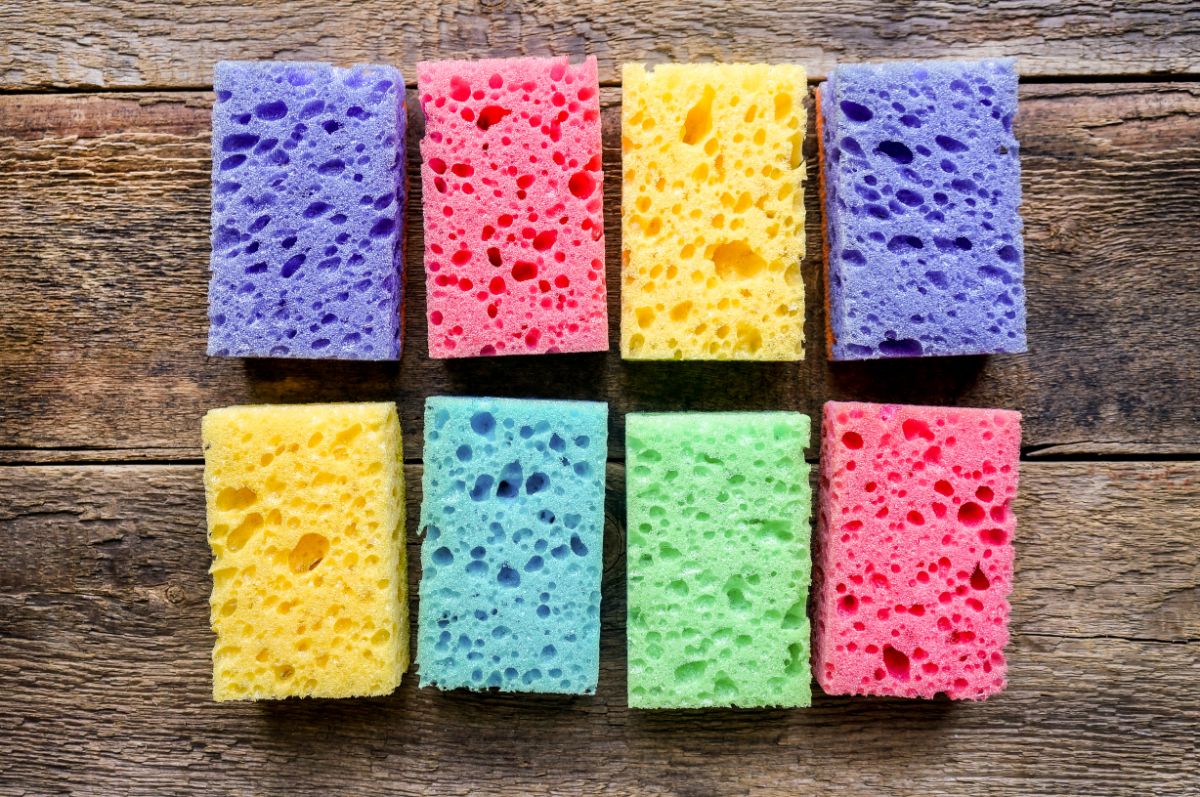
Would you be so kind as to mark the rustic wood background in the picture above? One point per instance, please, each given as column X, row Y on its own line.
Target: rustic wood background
column 104, row 640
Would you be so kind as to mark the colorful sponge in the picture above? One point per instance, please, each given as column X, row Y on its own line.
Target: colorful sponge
column 306, row 524
column 914, row 557
column 514, row 232
column 718, row 559
column 713, row 212
column 513, row 516
column 307, row 203
column 922, row 184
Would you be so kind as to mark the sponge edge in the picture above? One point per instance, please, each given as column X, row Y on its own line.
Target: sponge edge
column 513, row 518
column 305, row 508
column 914, row 550
column 713, row 212
column 718, row 560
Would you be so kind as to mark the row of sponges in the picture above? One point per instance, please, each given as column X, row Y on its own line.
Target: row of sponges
column 919, row 176
column 913, row 553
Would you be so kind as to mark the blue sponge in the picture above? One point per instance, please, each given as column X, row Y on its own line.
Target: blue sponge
column 513, row 516
column 307, row 209
column 922, row 186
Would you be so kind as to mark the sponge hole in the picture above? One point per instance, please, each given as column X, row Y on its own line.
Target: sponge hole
column 970, row 514
column 896, row 663
column 308, row 553
column 698, row 122
column 239, row 498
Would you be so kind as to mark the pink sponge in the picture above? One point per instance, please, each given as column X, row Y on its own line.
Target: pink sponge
column 914, row 560
column 513, row 197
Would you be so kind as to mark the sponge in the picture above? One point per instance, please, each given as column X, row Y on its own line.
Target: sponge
column 915, row 559
column 306, row 523
column 307, row 206
column 513, row 516
column 718, row 559
column 513, row 195
column 712, row 212
column 921, row 190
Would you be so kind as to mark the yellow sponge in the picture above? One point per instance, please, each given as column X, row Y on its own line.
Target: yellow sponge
column 713, row 212
column 306, row 524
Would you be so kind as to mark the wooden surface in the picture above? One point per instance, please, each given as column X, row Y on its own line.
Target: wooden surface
column 104, row 640
column 167, row 44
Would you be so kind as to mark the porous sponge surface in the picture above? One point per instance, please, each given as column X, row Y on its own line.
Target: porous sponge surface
column 922, row 189
column 513, row 197
column 718, row 559
column 513, row 515
column 712, row 212
column 306, row 524
column 307, row 206
column 914, row 550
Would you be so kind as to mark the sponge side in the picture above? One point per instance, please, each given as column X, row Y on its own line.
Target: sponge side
column 712, row 212
column 305, row 511
column 915, row 556
column 718, row 559
column 513, row 517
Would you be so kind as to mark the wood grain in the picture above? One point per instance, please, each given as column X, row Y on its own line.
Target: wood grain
column 105, row 252
column 104, row 624
column 161, row 44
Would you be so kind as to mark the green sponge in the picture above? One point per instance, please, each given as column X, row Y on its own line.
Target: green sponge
column 718, row 559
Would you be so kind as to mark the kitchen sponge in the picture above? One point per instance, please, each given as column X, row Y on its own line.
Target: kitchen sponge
column 307, row 206
column 712, row 212
column 915, row 556
column 306, row 523
column 718, row 559
column 514, row 196
column 513, row 515
column 922, row 188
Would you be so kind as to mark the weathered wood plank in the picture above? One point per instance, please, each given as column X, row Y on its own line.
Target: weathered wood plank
column 159, row 44
column 104, row 657
column 104, row 255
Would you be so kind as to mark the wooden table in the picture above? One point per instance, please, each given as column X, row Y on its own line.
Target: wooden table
column 104, row 638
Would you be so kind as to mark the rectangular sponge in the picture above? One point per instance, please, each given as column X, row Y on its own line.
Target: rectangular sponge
column 922, row 188
column 306, row 524
column 712, row 212
column 915, row 549
column 514, row 200
column 718, row 559
column 513, row 516
column 307, row 209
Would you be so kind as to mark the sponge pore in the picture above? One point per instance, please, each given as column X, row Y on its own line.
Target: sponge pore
column 718, row 559
column 307, row 206
column 306, row 524
column 914, row 558
column 513, row 195
column 922, row 187
column 712, row 212
column 513, row 516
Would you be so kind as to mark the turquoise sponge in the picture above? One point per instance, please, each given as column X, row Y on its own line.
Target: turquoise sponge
column 513, row 516
column 718, row 559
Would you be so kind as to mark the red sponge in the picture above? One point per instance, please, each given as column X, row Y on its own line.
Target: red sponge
column 914, row 559
column 513, row 198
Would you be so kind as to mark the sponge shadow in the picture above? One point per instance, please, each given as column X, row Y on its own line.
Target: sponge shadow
column 712, row 386
column 934, row 380
column 561, row 376
column 279, row 381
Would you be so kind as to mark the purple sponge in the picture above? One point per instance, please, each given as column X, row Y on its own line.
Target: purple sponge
column 308, row 197
column 922, row 184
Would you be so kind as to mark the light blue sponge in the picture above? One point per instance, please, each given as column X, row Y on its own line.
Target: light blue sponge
column 513, row 517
